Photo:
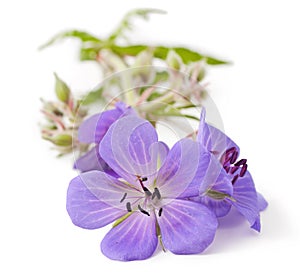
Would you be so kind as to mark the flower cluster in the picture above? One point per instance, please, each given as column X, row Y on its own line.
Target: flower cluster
column 153, row 195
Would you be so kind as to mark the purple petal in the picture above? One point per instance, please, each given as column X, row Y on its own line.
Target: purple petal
column 86, row 210
column 256, row 225
column 246, row 198
column 262, row 203
column 130, row 148
column 213, row 139
column 220, row 207
column 92, row 161
column 109, row 190
column 180, row 169
column 187, row 227
column 94, row 128
column 133, row 239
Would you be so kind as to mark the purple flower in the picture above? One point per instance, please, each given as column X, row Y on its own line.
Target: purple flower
column 92, row 131
column 219, row 196
column 148, row 202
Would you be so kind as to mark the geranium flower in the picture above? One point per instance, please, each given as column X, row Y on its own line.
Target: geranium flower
column 242, row 194
column 92, row 131
column 148, row 202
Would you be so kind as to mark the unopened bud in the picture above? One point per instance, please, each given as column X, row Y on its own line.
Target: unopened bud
column 63, row 140
column 173, row 60
column 197, row 71
column 61, row 89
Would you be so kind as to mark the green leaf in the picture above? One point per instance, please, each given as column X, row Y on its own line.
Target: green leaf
column 81, row 35
column 92, row 96
column 133, row 50
column 125, row 24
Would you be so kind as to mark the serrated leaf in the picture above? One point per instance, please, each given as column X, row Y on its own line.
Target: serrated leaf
column 81, row 35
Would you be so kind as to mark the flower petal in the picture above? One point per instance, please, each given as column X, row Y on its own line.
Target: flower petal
column 110, row 190
column 213, row 139
column 220, row 207
column 86, row 210
column 92, row 161
column 187, row 227
column 133, row 239
column 262, row 203
column 246, row 198
column 180, row 168
column 129, row 148
column 94, row 128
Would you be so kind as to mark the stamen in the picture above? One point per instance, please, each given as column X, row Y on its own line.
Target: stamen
column 227, row 168
column 228, row 154
column 233, row 157
column 243, row 170
column 147, row 192
column 144, row 179
column 143, row 211
column 123, row 198
column 128, row 206
column 241, row 162
column 234, row 179
column 234, row 169
column 160, row 212
column 156, row 193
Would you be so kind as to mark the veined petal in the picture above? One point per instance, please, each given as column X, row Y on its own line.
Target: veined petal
column 133, row 239
column 180, row 168
column 110, row 190
column 130, row 148
column 213, row 139
column 220, row 207
column 86, row 210
column 245, row 197
column 187, row 227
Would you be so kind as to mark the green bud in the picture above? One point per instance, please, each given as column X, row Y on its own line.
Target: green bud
column 63, row 140
column 61, row 89
column 174, row 60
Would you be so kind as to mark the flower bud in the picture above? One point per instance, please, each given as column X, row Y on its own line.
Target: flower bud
column 61, row 89
column 63, row 140
column 173, row 60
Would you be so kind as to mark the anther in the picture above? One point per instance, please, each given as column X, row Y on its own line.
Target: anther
column 123, row 198
column 156, row 193
column 147, row 192
column 144, row 179
column 234, row 179
column 234, row 169
column 243, row 170
column 233, row 157
column 160, row 212
column 128, row 206
column 241, row 162
column 143, row 211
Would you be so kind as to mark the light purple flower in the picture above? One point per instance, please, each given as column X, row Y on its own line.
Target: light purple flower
column 243, row 194
column 149, row 199
column 92, row 131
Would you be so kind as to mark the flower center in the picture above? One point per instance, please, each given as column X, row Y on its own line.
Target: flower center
column 151, row 201
column 232, row 166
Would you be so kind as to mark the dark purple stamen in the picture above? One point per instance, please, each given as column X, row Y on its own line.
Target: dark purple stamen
column 160, row 212
column 243, row 170
column 233, row 157
column 234, row 169
column 228, row 154
column 123, row 198
column 143, row 211
column 227, row 168
column 144, row 179
column 128, row 206
column 241, row 162
column 234, row 179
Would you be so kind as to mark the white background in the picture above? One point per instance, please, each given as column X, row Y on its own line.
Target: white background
column 258, row 97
